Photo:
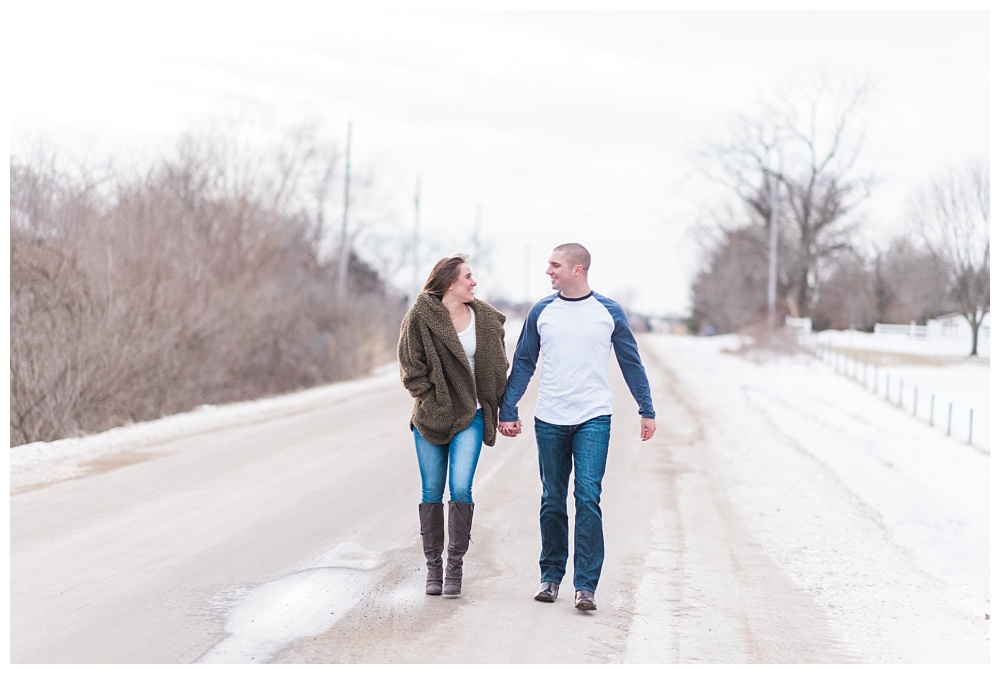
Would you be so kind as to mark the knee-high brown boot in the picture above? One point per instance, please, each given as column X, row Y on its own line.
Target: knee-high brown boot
column 459, row 535
column 432, row 534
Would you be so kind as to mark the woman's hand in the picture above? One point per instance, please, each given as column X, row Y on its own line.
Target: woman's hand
column 510, row 429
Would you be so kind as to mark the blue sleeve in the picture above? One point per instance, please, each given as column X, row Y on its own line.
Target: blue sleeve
column 523, row 367
column 627, row 353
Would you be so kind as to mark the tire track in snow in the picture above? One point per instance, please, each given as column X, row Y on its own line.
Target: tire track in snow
column 856, row 514
column 733, row 602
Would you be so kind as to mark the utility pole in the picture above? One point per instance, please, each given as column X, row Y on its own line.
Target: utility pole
column 415, row 286
column 344, row 251
column 527, row 272
column 772, row 267
column 476, row 247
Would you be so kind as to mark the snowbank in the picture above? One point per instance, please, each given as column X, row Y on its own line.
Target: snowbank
column 881, row 518
column 43, row 462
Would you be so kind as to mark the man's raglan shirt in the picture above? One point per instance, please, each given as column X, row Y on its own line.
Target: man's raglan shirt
column 575, row 338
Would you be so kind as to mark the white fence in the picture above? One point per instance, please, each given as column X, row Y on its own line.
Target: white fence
column 966, row 421
column 911, row 330
column 801, row 326
column 953, row 326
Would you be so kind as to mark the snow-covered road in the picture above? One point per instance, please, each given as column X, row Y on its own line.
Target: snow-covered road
column 783, row 513
column 879, row 517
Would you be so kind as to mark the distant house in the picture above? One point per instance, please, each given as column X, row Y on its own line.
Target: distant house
column 673, row 325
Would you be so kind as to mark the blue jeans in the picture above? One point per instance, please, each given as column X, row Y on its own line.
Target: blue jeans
column 454, row 462
column 582, row 449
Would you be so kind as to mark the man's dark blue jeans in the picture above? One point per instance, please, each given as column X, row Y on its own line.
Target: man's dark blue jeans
column 583, row 450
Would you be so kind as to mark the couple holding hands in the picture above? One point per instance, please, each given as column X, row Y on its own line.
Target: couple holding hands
column 453, row 362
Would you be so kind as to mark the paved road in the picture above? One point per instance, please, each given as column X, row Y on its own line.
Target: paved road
column 294, row 540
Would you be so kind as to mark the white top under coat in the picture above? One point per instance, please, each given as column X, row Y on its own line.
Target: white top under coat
column 468, row 339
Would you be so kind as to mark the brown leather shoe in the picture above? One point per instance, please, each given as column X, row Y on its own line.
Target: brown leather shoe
column 585, row 601
column 547, row 592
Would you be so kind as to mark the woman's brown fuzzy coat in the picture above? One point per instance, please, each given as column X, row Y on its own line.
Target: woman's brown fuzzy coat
column 434, row 369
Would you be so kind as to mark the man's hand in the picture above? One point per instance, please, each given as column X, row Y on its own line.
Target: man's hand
column 646, row 428
column 510, row 428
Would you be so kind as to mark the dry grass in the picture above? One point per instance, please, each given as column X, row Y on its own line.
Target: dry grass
column 760, row 343
column 884, row 358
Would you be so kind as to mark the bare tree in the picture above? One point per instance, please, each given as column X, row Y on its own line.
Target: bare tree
column 953, row 216
column 910, row 283
column 197, row 282
column 793, row 163
column 729, row 293
column 846, row 297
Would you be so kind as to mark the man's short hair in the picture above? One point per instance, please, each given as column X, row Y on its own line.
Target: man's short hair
column 575, row 254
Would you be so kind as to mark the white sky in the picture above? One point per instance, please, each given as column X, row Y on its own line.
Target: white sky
column 558, row 126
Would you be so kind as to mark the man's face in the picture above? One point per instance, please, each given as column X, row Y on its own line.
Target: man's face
column 560, row 271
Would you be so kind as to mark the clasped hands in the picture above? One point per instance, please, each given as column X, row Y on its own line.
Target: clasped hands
column 512, row 429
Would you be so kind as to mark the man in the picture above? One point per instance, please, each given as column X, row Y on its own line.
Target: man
column 574, row 331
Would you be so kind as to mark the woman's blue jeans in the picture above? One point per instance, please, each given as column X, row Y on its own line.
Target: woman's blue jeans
column 454, row 463
column 582, row 449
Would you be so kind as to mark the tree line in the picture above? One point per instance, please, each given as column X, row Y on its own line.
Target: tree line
column 789, row 242
column 206, row 279
column 228, row 270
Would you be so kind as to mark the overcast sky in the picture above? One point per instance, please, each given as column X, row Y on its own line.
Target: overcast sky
column 544, row 127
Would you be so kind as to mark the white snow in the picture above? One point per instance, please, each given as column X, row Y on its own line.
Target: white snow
column 43, row 462
column 273, row 615
column 881, row 517
column 956, row 394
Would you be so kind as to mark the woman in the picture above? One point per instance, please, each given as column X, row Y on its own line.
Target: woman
column 453, row 362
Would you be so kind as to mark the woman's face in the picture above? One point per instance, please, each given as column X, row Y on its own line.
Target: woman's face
column 462, row 288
